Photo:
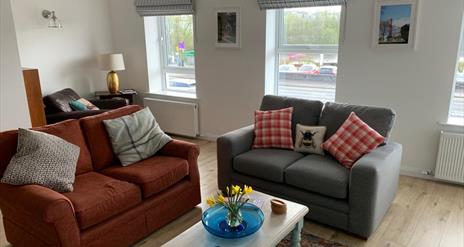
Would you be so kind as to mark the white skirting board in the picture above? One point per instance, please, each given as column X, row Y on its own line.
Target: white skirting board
column 175, row 117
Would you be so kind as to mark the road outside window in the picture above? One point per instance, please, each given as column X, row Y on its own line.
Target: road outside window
column 307, row 52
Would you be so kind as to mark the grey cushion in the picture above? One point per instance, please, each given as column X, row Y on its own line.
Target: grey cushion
column 334, row 114
column 136, row 136
column 268, row 164
column 305, row 112
column 321, row 174
column 42, row 159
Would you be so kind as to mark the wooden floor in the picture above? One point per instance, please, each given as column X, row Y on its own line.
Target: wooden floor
column 424, row 213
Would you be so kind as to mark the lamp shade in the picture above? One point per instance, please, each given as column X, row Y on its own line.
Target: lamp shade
column 111, row 62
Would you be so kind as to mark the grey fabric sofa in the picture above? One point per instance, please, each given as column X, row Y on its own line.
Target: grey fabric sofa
column 353, row 200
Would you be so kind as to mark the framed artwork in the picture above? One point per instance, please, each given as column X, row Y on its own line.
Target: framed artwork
column 395, row 23
column 228, row 28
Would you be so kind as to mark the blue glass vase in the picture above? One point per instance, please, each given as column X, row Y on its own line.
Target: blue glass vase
column 218, row 221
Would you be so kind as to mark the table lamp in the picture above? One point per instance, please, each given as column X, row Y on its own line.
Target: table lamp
column 111, row 63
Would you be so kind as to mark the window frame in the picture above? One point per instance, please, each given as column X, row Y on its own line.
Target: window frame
column 452, row 119
column 282, row 48
column 165, row 67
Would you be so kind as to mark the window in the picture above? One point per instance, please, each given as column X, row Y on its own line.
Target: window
column 177, row 53
column 456, row 114
column 307, row 52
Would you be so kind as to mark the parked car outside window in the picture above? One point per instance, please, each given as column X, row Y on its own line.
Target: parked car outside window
column 310, row 69
column 328, row 70
column 287, row 68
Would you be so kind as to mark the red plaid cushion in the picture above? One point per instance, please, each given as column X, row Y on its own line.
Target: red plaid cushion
column 352, row 140
column 273, row 129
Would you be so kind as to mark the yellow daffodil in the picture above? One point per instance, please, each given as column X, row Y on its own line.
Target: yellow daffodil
column 247, row 189
column 211, row 201
column 221, row 199
column 235, row 189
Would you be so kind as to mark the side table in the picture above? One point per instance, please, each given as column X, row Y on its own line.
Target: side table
column 124, row 93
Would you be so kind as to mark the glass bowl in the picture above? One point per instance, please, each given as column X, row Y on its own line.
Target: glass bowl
column 214, row 220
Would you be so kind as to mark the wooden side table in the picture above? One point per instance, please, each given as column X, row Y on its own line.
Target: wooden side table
column 125, row 93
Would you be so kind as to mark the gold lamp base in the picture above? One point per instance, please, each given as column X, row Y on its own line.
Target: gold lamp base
column 112, row 80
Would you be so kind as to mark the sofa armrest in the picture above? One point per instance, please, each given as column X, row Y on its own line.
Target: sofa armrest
column 33, row 206
column 61, row 116
column 228, row 146
column 373, row 185
column 113, row 103
column 187, row 151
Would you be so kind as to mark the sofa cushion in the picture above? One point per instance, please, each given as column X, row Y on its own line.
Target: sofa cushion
column 71, row 131
column 97, row 138
column 83, row 105
column 352, row 140
column 320, row 174
column 59, row 101
column 42, row 159
column 153, row 175
column 68, row 130
column 136, row 136
column 273, row 129
column 305, row 112
column 97, row 197
column 334, row 115
column 268, row 164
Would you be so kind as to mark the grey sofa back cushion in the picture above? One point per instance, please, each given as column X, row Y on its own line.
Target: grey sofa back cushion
column 42, row 159
column 305, row 112
column 334, row 114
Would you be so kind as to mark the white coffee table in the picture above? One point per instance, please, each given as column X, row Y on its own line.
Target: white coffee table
column 275, row 228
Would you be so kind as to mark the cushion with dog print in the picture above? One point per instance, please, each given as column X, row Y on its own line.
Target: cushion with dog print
column 308, row 139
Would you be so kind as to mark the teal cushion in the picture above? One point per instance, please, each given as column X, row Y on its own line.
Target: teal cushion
column 78, row 106
column 136, row 136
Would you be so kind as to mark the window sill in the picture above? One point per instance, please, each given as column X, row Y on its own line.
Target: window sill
column 451, row 126
column 169, row 95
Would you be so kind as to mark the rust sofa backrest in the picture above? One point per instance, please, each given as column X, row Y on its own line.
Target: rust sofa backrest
column 97, row 138
column 8, row 143
column 69, row 130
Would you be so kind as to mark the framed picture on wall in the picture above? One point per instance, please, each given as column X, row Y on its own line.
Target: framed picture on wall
column 228, row 28
column 395, row 23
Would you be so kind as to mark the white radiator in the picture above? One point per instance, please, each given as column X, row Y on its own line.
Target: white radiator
column 450, row 160
column 175, row 117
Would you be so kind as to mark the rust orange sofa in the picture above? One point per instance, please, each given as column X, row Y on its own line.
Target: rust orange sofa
column 111, row 205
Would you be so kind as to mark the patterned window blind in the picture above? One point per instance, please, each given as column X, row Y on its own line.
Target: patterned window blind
column 164, row 7
column 280, row 4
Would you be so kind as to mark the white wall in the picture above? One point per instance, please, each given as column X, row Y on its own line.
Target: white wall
column 230, row 83
column 65, row 57
column 416, row 83
column 129, row 38
column 14, row 111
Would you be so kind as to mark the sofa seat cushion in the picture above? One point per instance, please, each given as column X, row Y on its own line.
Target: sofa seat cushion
column 97, row 197
column 320, row 174
column 268, row 164
column 153, row 175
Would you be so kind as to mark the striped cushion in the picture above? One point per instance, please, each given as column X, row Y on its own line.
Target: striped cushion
column 136, row 136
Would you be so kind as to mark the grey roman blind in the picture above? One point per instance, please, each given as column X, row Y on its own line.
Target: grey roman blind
column 164, row 7
column 280, row 4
